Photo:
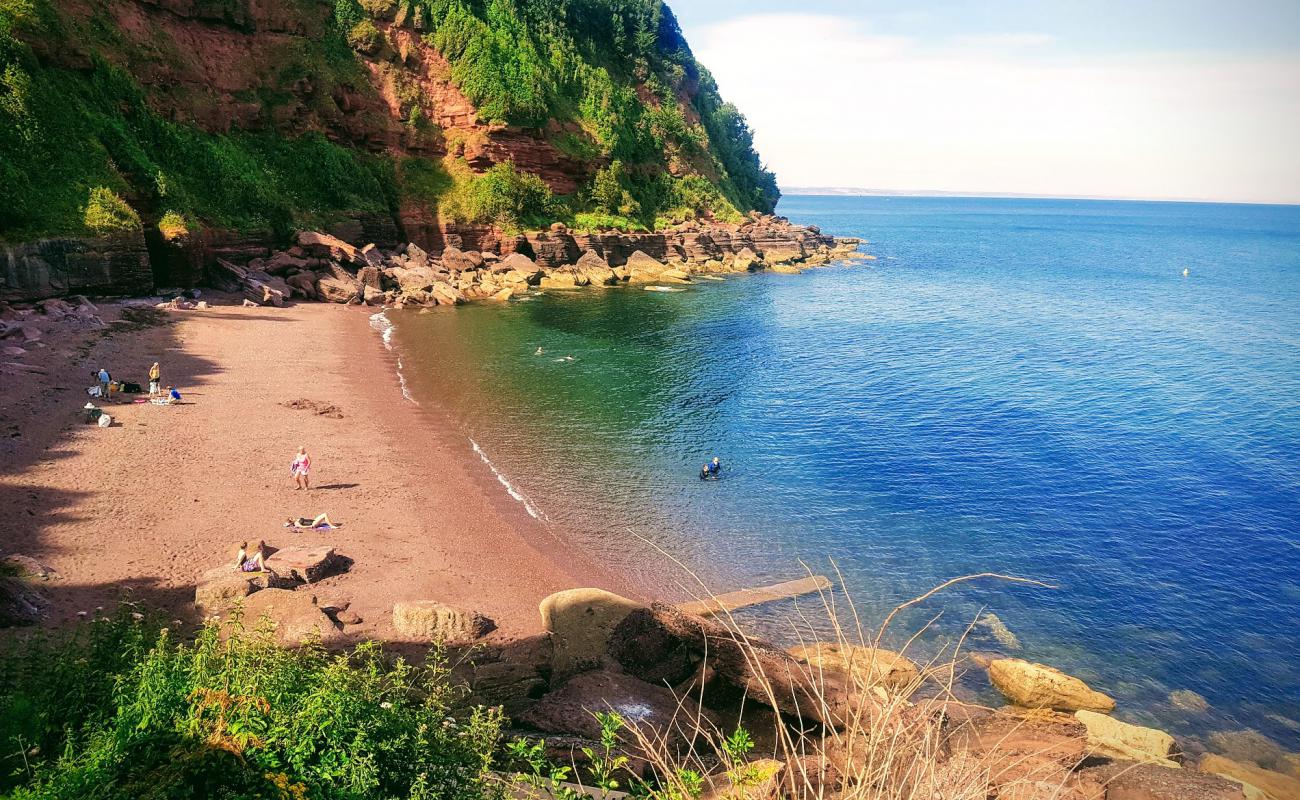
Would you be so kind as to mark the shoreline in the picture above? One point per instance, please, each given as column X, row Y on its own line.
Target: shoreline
column 405, row 457
column 423, row 519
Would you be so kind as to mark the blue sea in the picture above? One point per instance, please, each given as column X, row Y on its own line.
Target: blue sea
column 1026, row 387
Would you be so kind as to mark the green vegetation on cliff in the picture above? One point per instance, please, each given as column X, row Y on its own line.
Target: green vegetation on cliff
column 85, row 147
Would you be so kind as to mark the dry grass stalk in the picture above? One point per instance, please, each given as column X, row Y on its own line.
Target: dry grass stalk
column 881, row 746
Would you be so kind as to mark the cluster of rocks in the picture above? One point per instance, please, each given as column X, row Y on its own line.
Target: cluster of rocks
column 673, row 674
column 282, row 593
column 323, row 267
column 24, row 329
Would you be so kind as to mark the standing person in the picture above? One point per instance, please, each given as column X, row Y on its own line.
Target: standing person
column 155, row 379
column 105, row 382
column 300, row 469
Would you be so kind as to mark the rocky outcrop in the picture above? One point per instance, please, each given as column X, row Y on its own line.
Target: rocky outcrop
column 662, row 644
column 110, row 265
column 1124, row 780
column 579, row 622
column 1039, row 686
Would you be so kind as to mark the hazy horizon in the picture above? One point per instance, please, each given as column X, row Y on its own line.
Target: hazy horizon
column 1158, row 100
column 865, row 191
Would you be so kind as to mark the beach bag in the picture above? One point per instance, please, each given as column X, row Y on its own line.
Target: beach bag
column 105, row 420
column 131, row 388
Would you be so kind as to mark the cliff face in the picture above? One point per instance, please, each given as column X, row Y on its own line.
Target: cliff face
column 184, row 123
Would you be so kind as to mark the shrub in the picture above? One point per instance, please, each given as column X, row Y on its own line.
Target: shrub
column 503, row 195
column 106, row 212
column 173, row 226
column 122, row 710
column 364, row 36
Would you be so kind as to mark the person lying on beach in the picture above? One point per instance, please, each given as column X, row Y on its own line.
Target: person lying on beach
column 254, row 563
column 320, row 523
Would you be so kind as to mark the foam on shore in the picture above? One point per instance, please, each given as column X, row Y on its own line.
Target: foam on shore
column 533, row 511
column 381, row 323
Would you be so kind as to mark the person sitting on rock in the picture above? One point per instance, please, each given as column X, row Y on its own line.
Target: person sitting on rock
column 321, row 522
column 254, row 563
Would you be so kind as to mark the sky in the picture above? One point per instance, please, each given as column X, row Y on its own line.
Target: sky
column 1160, row 99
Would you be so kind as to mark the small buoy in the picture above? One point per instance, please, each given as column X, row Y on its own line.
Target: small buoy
column 1186, row 272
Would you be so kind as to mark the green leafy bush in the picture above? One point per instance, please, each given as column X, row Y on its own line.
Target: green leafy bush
column 122, row 709
column 173, row 225
column 106, row 212
column 503, row 196
column 364, row 36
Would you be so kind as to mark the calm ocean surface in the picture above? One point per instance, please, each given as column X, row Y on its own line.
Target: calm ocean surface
column 1018, row 386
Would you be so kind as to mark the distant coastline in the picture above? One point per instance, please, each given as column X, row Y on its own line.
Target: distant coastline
column 853, row 191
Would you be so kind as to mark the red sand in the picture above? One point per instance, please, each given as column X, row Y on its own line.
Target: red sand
column 154, row 502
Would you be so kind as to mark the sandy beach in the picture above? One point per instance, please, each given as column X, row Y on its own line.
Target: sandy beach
column 166, row 494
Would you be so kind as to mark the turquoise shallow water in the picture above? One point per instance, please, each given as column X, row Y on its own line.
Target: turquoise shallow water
column 1020, row 386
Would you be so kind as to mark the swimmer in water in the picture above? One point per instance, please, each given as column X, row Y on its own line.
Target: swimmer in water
column 539, row 352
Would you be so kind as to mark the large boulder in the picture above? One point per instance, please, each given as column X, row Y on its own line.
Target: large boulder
column 1129, row 781
column 297, row 617
column 1109, row 737
column 662, row 644
column 430, row 621
column 643, row 268
column 333, row 290
column 1039, row 686
column 307, row 564
column 220, row 588
column 517, row 262
column 283, row 263
column 746, row 260
column 1254, row 779
column 580, row 622
column 595, row 269
column 868, row 666
column 1022, row 748
column 302, row 284
column 457, row 260
column 444, row 294
column 571, row 708
column 323, row 245
column 562, row 278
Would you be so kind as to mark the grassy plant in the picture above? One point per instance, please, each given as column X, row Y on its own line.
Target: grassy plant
column 123, row 709
column 106, row 212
